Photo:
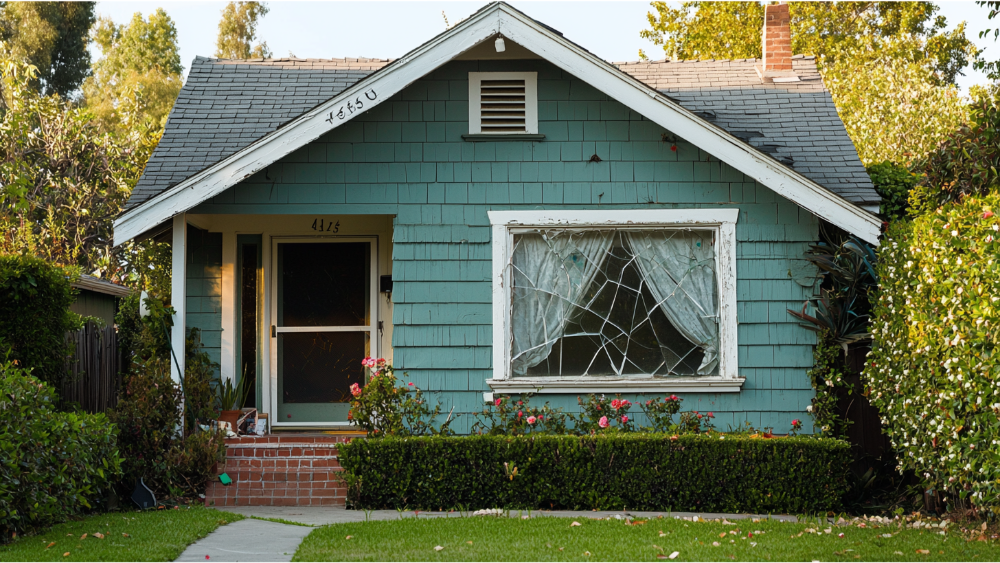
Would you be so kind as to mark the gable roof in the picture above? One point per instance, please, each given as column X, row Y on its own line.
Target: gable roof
column 261, row 141
column 226, row 105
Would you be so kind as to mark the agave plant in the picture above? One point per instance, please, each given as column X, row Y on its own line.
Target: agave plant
column 847, row 268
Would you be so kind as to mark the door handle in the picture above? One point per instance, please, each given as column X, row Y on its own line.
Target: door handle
column 274, row 331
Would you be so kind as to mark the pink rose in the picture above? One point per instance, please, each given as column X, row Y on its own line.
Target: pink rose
column 355, row 389
column 987, row 214
column 368, row 362
column 624, row 419
column 710, row 415
column 615, row 404
column 603, row 423
column 519, row 414
column 497, row 403
column 531, row 420
column 540, row 417
column 519, row 403
column 410, row 384
column 380, row 362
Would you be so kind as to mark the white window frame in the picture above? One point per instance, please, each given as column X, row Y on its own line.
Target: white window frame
column 721, row 221
column 530, row 101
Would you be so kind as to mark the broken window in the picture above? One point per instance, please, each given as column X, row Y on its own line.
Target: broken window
column 614, row 302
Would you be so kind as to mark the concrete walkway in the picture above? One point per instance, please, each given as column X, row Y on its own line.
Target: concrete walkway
column 248, row 540
column 320, row 516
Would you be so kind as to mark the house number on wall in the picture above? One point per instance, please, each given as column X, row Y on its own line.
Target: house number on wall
column 352, row 107
column 325, row 226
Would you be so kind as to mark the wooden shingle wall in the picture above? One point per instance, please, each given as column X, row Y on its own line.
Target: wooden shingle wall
column 204, row 288
column 406, row 157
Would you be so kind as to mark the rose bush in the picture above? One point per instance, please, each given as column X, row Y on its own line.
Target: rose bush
column 383, row 409
column 933, row 370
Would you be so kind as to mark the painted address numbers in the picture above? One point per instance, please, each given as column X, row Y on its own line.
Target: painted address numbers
column 352, row 107
column 324, row 226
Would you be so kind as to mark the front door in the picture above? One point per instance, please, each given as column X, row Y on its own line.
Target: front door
column 324, row 311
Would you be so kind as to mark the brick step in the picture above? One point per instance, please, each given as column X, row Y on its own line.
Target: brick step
column 279, row 463
column 258, row 475
column 301, row 493
column 280, row 451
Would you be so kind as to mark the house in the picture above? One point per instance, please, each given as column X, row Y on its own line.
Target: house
column 502, row 211
column 97, row 298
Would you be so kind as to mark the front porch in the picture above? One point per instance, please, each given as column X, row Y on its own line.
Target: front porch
column 282, row 469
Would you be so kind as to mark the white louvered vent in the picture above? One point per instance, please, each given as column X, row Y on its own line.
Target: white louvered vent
column 503, row 103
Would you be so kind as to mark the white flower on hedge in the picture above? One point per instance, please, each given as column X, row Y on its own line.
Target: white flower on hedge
column 810, row 408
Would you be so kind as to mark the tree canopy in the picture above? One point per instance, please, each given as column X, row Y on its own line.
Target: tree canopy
column 62, row 180
column 238, row 31
column 884, row 62
column 52, row 36
column 141, row 56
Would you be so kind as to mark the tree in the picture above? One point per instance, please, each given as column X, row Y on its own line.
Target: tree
column 992, row 68
column 238, row 30
column 884, row 61
column 62, row 180
column 52, row 36
column 141, row 56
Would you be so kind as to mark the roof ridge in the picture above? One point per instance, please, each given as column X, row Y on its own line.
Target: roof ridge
column 298, row 59
column 664, row 61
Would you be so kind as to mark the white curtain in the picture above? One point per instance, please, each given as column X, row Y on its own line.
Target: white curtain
column 679, row 268
column 551, row 273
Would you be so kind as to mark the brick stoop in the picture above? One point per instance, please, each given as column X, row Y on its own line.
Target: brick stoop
column 281, row 470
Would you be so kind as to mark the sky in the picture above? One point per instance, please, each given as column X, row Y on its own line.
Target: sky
column 389, row 29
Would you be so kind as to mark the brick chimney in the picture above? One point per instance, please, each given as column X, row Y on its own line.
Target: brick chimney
column 776, row 42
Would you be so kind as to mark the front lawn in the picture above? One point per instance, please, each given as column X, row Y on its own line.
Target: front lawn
column 556, row 539
column 159, row 535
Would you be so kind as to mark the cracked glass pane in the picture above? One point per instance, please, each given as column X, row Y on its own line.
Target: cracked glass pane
column 616, row 302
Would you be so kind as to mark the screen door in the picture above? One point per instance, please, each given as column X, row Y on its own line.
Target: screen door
column 324, row 315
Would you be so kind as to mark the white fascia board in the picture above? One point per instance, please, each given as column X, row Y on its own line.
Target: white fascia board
column 646, row 101
column 306, row 128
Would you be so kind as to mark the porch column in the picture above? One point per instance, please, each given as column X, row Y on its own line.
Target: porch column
column 178, row 295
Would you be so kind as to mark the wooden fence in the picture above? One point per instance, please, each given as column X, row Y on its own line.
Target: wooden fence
column 865, row 434
column 93, row 378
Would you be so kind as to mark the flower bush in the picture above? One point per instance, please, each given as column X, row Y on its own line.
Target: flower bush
column 516, row 417
column 660, row 414
column 934, row 370
column 601, row 414
column 383, row 409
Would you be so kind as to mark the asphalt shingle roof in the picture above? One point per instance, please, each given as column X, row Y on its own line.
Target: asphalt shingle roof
column 226, row 105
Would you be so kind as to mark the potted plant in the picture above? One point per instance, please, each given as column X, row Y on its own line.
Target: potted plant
column 231, row 398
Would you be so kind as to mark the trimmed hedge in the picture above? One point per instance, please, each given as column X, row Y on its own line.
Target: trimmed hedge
column 705, row 473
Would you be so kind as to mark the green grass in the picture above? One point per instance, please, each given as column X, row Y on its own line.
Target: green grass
column 554, row 539
column 159, row 535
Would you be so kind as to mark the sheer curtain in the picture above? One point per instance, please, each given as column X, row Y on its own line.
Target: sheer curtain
column 679, row 268
column 551, row 273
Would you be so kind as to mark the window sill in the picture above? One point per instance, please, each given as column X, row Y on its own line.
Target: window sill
column 477, row 138
column 618, row 385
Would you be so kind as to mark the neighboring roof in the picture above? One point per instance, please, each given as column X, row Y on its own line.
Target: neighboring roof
column 97, row 285
column 165, row 200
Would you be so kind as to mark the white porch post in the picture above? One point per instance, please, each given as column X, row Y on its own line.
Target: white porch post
column 227, row 363
column 178, row 295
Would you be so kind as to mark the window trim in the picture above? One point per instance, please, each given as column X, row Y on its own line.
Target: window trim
column 504, row 224
column 530, row 101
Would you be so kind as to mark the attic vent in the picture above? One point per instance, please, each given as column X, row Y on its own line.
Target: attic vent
column 503, row 103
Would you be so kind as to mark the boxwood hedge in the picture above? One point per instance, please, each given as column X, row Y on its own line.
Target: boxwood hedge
column 709, row 473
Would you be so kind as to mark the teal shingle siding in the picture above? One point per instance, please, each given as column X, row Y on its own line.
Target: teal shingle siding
column 204, row 288
column 406, row 157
